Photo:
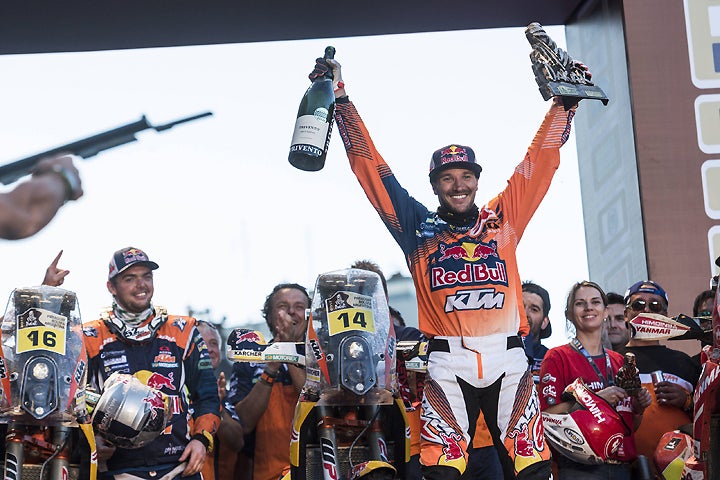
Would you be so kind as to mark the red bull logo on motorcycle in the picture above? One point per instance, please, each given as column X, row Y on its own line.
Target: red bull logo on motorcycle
column 160, row 381
column 249, row 337
column 451, row 446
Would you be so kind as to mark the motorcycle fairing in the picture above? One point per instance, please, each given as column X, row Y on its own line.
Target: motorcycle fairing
column 42, row 328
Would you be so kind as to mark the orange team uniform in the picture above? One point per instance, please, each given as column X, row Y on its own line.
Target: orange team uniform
column 469, row 299
column 274, row 428
column 175, row 361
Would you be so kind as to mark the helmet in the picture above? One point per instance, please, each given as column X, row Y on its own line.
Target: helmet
column 130, row 414
column 673, row 449
column 591, row 432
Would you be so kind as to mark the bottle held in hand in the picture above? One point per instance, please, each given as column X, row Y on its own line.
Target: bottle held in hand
column 628, row 377
column 313, row 126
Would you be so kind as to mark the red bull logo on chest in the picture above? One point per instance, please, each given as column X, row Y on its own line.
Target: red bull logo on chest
column 467, row 263
column 160, row 381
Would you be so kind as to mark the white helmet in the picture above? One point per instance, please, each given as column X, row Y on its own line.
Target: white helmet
column 591, row 432
column 130, row 414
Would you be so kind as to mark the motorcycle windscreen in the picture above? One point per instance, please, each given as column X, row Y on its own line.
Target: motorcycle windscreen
column 350, row 346
column 43, row 360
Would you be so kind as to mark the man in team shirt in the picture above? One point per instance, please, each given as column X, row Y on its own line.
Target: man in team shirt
column 462, row 260
column 672, row 405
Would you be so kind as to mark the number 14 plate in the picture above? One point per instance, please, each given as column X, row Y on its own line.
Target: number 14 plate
column 349, row 311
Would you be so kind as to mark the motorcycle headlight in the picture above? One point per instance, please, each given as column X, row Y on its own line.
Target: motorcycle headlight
column 41, row 370
column 356, row 368
column 355, row 349
column 39, row 390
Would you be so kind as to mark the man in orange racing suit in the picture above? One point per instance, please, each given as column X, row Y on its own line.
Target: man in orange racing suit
column 469, row 294
column 165, row 352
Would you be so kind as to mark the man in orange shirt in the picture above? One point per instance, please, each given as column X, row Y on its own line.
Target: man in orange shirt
column 462, row 261
column 264, row 395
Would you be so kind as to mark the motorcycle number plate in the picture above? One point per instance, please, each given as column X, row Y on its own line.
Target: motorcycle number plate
column 349, row 311
column 39, row 329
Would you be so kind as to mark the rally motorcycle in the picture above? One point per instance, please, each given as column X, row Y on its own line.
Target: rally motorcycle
column 695, row 455
column 350, row 421
column 705, row 461
column 43, row 370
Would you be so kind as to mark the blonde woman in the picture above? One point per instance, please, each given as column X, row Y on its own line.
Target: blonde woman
column 586, row 358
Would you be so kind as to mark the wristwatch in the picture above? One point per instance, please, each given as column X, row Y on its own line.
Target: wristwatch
column 70, row 180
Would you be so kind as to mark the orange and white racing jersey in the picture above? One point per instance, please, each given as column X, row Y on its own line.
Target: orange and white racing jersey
column 466, row 278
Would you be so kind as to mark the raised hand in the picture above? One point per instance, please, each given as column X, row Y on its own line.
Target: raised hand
column 55, row 276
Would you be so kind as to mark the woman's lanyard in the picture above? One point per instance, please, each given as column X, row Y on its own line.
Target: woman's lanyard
column 608, row 367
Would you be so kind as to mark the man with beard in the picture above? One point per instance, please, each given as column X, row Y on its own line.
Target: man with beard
column 462, row 260
column 166, row 352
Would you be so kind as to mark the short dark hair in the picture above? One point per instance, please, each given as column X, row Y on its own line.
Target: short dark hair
column 700, row 299
column 614, row 298
column 372, row 267
column 532, row 287
column 267, row 307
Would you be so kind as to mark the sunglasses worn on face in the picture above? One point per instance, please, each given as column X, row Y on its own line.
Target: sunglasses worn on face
column 654, row 306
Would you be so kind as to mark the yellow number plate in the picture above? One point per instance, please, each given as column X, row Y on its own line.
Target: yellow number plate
column 39, row 329
column 349, row 311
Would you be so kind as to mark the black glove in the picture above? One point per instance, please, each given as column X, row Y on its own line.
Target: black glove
column 321, row 69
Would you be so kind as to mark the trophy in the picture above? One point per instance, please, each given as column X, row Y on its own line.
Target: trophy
column 556, row 73
column 628, row 376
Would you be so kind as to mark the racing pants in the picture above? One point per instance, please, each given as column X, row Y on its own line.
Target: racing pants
column 470, row 374
column 162, row 473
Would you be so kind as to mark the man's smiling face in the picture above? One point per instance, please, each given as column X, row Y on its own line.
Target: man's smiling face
column 456, row 189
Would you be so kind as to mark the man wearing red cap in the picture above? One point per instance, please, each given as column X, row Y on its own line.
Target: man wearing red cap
column 462, row 260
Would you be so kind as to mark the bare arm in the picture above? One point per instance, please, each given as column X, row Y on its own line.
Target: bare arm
column 251, row 408
column 298, row 377
column 30, row 206
column 230, row 433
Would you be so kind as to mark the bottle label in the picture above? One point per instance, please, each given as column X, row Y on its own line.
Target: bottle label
column 311, row 130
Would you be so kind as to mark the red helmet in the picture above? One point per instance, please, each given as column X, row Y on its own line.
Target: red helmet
column 673, row 449
column 591, row 432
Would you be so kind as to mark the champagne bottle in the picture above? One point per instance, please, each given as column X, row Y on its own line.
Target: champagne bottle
column 313, row 126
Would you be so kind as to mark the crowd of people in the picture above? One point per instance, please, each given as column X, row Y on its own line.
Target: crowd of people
column 489, row 377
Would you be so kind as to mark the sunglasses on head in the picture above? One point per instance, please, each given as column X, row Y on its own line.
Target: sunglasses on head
column 654, row 306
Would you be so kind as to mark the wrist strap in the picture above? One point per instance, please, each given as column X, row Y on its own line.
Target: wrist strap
column 267, row 379
column 206, row 439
